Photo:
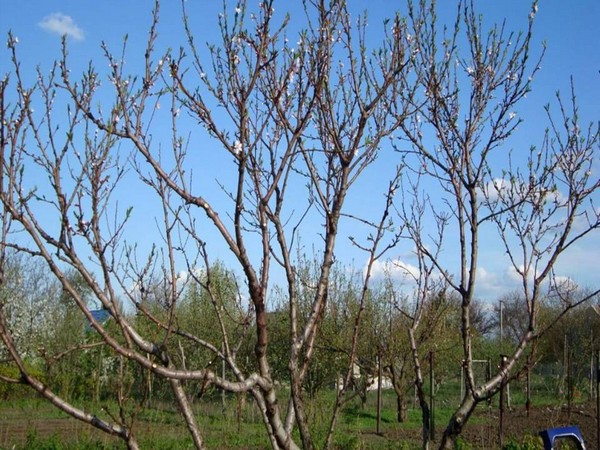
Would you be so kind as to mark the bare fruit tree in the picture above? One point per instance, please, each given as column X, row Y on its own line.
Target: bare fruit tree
column 539, row 201
column 191, row 175
column 296, row 127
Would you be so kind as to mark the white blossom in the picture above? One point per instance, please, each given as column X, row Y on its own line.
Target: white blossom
column 237, row 147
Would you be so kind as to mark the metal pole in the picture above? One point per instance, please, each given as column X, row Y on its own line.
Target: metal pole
column 431, row 398
column 488, row 377
column 379, row 377
column 569, row 381
column 597, row 399
column 528, row 401
column 592, row 365
column 501, row 326
column 223, row 403
column 502, row 394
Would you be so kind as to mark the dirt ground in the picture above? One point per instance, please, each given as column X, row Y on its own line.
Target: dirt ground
column 480, row 433
column 484, row 434
column 15, row 432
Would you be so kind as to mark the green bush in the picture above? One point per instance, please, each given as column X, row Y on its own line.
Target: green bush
column 460, row 444
column 528, row 442
column 13, row 391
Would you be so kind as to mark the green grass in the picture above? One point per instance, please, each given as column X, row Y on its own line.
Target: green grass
column 159, row 424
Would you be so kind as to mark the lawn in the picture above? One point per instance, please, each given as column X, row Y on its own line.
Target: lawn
column 34, row 424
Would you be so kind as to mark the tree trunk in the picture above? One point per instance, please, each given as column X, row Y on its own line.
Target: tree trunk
column 363, row 396
column 401, row 407
column 425, row 415
column 457, row 423
column 399, row 389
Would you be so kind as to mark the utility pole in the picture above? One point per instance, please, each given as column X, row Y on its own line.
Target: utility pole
column 501, row 325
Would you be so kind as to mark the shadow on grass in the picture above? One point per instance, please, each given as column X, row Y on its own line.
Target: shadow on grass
column 359, row 413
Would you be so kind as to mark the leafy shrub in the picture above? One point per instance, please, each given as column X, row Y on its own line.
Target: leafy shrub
column 460, row 444
column 12, row 391
column 528, row 442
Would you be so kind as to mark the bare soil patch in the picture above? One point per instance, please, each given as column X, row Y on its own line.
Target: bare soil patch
column 481, row 432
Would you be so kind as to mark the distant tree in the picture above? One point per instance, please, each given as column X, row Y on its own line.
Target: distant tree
column 573, row 340
column 68, row 367
column 29, row 300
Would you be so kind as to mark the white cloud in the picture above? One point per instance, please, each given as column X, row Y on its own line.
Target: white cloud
column 489, row 285
column 492, row 189
column 182, row 276
column 61, row 24
column 515, row 191
column 397, row 270
column 513, row 276
column 580, row 262
column 564, row 283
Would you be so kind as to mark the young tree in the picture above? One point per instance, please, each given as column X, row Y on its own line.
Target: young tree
column 540, row 202
column 296, row 126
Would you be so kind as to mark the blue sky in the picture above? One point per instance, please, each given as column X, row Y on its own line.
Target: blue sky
column 570, row 30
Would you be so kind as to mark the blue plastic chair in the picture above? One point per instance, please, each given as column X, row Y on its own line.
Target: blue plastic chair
column 552, row 434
